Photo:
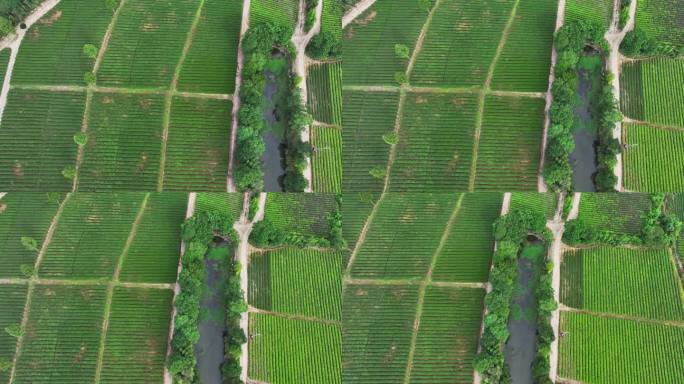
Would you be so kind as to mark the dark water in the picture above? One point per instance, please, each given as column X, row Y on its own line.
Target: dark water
column 274, row 166
column 521, row 346
column 210, row 347
column 583, row 157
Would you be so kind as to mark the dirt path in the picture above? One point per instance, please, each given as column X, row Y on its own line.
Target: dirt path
column 90, row 90
column 168, row 99
column 189, row 211
column 300, row 39
column 436, row 90
column 574, row 210
column 112, row 284
column 670, row 323
column 483, row 95
column 244, row 26
column 664, row 127
column 294, row 317
column 13, row 42
column 556, row 226
column 122, row 90
column 2, row 194
column 448, row 284
column 614, row 37
column 560, row 20
column 356, row 11
column 243, row 227
column 402, row 93
column 424, row 284
column 362, row 237
column 32, row 282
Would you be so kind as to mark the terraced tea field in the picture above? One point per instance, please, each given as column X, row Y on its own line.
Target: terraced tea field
column 417, row 272
column 157, row 114
column 101, row 285
column 620, row 213
column 655, row 130
column 442, row 119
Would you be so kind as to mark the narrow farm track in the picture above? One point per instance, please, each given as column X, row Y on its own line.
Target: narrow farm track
column 121, row 90
column 243, row 227
column 362, row 237
column 293, row 317
column 356, row 11
column 557, row 227
column 560, row 20
column 14, row 42
column 89, row 93
column 33, row 282
column 652, row 125
column 111, row 286
column 189, row 211
column 670, row 323
column 244, row 26
column 423, row 287
column 89, row 282
column 438, row 90
column 479, row 118
column 168, row 99
column 447, row 284
column 402, row 93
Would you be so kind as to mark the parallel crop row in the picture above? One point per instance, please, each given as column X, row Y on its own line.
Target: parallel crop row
column 541, row 202
column 135, row 347
column 378, row 322
column 598, row 210
column 153, row 254
column 467, row 253
column 596, row 11
column 324, row 86
column 229, row 203
column 282, row 12
column 12, row 301
column 327, row 161
column 22, row 215
column 661, row 20
column 653, row 160
column 297, row 282
column 289, row 351
column 404, row 235
column 300, row 213
column 616, row 351
column 460, row 43
column 635, row 282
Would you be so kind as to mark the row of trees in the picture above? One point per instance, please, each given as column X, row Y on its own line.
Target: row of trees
column 510, row 232
column 198, row 232
column 570, row 41
column 658, row 229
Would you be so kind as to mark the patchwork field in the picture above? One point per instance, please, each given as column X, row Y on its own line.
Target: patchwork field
column 455, row 98
column 99, row 303
column 160, row 84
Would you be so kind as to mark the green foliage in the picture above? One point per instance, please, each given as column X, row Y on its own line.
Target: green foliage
column 89, row 78
column 198, row 231
column 81, row 138
column 265, row 234
column 638, row 44
column 6, row 27
column 256, row 45
column 401, row 78
column 391, row 138
column 15, row 330
column 624, row 13
column 324, row 45
column 377, row 172
column 29, row 243
column 90, row 51
column 5, row 365
column 401, row 50
column 27, row 270
column 111, row 4
column 310, row 14
column 69, row 172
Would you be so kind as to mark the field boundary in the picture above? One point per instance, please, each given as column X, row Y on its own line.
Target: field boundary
column 475, row 89
column 122, row 90
column 32, row 283
column 290, row 316
column 89, row 91
column 671, row 323
column 168, row 100
column 415, row 281
column 664, row 127
column 110, row 286
column 483, row 95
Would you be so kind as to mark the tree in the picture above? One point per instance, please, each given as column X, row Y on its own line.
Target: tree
column 377, row 172
column 27, row 270
column 111, row 4
column 69, row 172
column 90, row 51
column 15, row 330
column 401, row 51
column 424, row 5
column 401, row 78
column 54, row 197
column 390, row 138
column 6, row 27
column 89, row 78
column 29, row 243
column 81, row 138
column 5, row 365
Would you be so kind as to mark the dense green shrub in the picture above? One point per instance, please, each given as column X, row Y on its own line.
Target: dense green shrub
column 570, row 40
column 266, row 235
column 325, row 45
column 198, row 232
column 637, row 44
column 310, row 14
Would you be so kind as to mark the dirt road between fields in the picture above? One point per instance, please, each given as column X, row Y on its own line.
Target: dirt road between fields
column 614, row 36
column 244, row 26
column 560, row 20
column 243, row 227
column 557, row 227
column 14, row 41
column 356, row 11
